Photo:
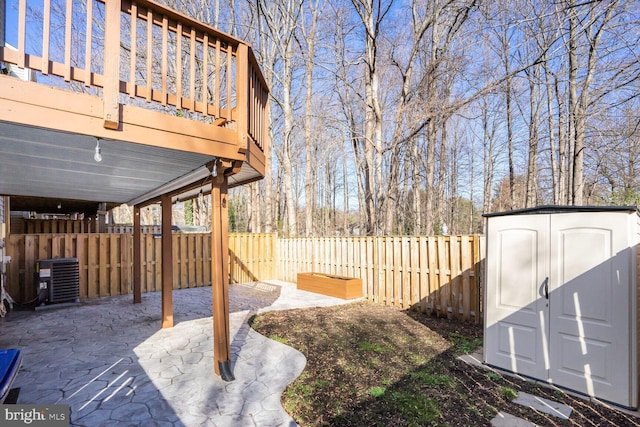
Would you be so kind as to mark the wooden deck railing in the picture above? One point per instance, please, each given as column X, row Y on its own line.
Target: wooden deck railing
column 37, row 226
column 142, row 53
column 439, row 275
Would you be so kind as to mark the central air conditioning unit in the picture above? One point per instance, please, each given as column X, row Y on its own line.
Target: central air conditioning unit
column 57, row 280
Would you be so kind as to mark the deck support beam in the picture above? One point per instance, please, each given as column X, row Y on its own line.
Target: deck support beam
column 137, row 264
column 220, row 276
column 242, row 88
column 111, row 90
column 167, row 263
column 3, row 6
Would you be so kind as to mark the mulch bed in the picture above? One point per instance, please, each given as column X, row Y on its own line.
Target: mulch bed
column 380, row 366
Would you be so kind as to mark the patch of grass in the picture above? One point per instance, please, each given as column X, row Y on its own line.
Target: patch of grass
column 559, row 394
column 254, row 322
column 493, row 376
column 368, row 346
column 278, row 339
column 508, row 393
column 322, row 383
column 464, row 344
column 416, row 409
column 296, row 396
column 377, row 391
column 418, row 359
column 373, row 362
column 430, row 379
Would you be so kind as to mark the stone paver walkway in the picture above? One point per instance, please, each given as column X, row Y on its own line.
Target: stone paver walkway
column 112, row 364
column 543, row 405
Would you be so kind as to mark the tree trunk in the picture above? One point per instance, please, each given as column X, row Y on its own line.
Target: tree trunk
column 370, row 18
column 430, row 174
column 309, row 140
column 563, row 185
column 417, row 185
column 512, row 178
column 534, row 118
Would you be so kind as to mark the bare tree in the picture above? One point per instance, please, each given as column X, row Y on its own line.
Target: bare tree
column 281, row 20
column 372, row 13
column 533, row 75
column 590, row 24
column 309, row 34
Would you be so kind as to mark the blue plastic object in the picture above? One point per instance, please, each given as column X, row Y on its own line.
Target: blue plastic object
column 10, row 361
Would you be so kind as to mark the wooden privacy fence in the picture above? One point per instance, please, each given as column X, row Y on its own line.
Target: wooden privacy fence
column 252, row 257
column 106, row 261
column 437, row 275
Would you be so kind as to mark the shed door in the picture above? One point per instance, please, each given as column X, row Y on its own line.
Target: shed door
column 589, row 304
column 516, row 322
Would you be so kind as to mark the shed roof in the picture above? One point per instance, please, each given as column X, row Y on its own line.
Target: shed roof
column 554, row 209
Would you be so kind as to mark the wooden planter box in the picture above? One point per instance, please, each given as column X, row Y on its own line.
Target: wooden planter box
column 333, row 286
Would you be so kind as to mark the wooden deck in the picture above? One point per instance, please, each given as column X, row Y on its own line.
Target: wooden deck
column 114, row 73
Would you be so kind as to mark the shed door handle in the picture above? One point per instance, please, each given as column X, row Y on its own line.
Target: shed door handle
column 545, row 284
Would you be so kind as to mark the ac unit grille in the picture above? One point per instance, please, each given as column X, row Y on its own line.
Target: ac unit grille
column 61, row 277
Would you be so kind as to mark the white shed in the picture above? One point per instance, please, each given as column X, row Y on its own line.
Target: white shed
column 561, row 298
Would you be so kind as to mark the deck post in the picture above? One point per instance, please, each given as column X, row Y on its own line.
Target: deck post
column 137, row 265
column 111, row 90
column 167, row 263
column 3, row 5
column 242, row 94
column 220, row 277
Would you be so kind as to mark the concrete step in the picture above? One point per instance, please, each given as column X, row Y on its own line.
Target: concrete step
column 504, row 419
column 543, row 405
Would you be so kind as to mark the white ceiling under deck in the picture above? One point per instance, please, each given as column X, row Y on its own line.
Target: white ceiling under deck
column 38, row 162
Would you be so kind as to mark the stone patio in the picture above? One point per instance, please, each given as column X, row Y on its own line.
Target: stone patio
column 110, row 361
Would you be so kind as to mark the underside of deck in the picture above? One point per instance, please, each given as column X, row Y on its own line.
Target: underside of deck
column 48, row 139
column 122, row 101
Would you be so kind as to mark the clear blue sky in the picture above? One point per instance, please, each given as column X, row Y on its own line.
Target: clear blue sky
column 11, row 30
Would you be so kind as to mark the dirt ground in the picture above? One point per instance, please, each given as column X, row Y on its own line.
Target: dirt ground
column 369, row 365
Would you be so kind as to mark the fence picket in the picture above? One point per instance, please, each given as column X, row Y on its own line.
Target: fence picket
column 422, row 285
column 414, row 284
column 103, row 267
column 454, row 275
column 466, row 268
column 92, row 289
column 114, row 267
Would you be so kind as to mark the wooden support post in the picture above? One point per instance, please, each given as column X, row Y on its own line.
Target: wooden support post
column 220, row 277
column 242, row 95
column 137, row 261
column 167, row 263
column 102, row 217
column 111, row 89
column 3, row 6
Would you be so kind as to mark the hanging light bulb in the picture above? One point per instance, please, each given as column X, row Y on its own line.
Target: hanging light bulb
column 98, row 155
